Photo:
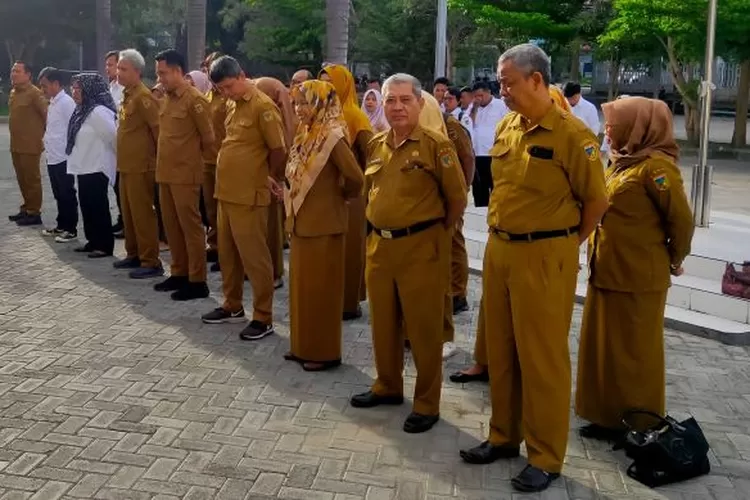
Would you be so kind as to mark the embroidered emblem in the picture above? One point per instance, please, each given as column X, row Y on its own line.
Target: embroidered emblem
column 446, row 159
column 146, row 103
column 592, row 151
column 661, row 181
column 199, row 108
column 268, row 116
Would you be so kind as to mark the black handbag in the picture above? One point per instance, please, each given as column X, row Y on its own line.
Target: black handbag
column 667, row 452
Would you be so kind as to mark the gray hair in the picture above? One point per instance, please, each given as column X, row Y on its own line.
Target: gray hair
column 398, row 78
column 530, row 59
column 134, row 58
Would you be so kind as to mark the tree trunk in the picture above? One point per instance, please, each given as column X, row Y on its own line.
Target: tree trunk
column 690, row 102
column 575, row 61
column 196, row 33
column 739, row 137
column 103, row 31
column 614, row 78
column 337, row 31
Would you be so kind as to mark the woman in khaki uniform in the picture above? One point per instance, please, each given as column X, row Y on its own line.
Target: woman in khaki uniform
column 322, row 173
column 642, row 239
column 360, row 133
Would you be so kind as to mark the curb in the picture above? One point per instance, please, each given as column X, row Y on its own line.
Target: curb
column 727, row 338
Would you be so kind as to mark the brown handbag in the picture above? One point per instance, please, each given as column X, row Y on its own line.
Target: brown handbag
column 736, row 283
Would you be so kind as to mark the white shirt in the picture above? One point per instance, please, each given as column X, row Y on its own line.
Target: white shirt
column 464, row 118
column 117, row 92
column 485, row 122
column 588, row 114
column 60, row 110
column 96, row 145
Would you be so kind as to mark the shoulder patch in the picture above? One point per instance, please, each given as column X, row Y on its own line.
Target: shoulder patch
column 198, row 107
column 146, row 101
column 446, row 157
column 268, row 116
column 660, row 180
column 591, row 149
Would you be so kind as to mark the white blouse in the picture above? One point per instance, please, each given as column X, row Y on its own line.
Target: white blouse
column 96, row 145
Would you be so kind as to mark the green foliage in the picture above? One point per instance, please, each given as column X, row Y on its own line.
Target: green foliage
column 733, row 34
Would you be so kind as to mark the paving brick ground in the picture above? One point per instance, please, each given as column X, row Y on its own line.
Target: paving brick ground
column 108, row 390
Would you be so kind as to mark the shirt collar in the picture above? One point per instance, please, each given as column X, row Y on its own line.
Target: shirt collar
column 547, row 122
column 415, row 135
column 249, row 93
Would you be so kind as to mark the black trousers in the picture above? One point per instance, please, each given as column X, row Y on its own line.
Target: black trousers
column 157, row 207
column 64, row 191
column 117, row 197
column 481, row 186
column 93, row 196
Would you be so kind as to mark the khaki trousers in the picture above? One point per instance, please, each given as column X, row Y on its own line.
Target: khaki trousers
column 29, row 177
column 243, row 251
column 139, row 217
column 185, row 232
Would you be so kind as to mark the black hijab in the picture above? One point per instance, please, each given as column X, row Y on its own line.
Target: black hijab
column 94, row 92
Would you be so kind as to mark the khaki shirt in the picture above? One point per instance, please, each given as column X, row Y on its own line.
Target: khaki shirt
column 217, row 106
column 462, row 142
column 184, row 135
column 324, row 211
column 279, row 94
column 412, row 182
column 647, row 228
column 137, row 131
column 543, row 174
column 27, row 120
column 254, row 128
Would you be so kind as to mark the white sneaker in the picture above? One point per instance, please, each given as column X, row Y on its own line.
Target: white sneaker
column 449, row 349
column 51, row 232
column 66, row 237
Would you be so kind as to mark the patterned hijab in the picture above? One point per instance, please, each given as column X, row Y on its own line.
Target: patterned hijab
column 316, row 137
column 639, row 127
column 377, row 117
column 343, row 82
column 94, row 92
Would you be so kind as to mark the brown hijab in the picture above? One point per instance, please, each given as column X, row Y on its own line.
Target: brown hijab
column 639, row 127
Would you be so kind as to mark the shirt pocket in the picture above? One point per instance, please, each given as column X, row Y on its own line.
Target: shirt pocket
column 506, row 167
column 373, row 172
column 175, row 121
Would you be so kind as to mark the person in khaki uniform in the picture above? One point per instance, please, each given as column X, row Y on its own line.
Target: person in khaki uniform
column 27, row 123
column 185, row 134
column 644, row 238
column 137, row 137
column 548, row 196
column 279, row 94
column 250, row 164
column 322, row 173
column 415, row 194
column 360, row 133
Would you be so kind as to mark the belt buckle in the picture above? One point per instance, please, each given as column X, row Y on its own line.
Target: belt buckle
column 503, row 235
column 386, row 234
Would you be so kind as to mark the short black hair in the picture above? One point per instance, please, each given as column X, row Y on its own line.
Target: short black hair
column 481, row 85
column 374, row 80
column 26, row 66
column 172, row 58
column 223, row 68
column 571, row 88
column 442, row 81
column 455, row 92
column 466, row 90
column 51, row 74
column 113, row 53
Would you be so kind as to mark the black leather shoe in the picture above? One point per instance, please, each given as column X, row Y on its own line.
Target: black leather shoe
column 191, row 291
column 18, row 216
column 596, row 431
column 350, row 316
column 460, row 305
column 369, row 400
column 30, row 220
column 463, row 378
column 532, row 479
column 171, row 284
column 416, row 423
column 215, row 267
column 212, row 256
column 486, row 453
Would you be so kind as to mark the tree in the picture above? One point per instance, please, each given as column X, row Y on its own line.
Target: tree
column 337, row 31
column 733, row 42
column 196, row 32
column 103, row 30
column 679, row 28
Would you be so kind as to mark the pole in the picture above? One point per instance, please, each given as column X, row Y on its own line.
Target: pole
column 703, row 173
column 441, row 37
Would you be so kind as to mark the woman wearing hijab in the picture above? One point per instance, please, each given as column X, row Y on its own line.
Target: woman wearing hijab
column 92, row 138
column 641, row 241
column 559, row 98
column 360, row 133
column 372, row 105
column 200, row 81
column 322, row 174
column 431, row 116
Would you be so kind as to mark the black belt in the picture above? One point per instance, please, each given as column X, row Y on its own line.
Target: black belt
column 392, row 234
column 536, row 235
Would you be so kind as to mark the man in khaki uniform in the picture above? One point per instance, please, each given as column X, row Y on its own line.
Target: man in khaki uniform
column 279, row 94
column 415, row 193
column 252, row 156
column 137, row 137
column 184, row 135
column 28, row 120
column 548, row 196
column 301, row 76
